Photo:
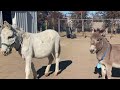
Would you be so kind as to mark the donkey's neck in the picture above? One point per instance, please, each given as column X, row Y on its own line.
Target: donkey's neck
column 104, row 51
column 18, row 41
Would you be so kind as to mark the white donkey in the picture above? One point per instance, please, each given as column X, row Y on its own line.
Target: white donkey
column 29, row 45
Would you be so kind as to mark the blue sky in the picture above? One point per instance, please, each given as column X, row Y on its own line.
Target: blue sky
column 90, row 12
column 65, row 12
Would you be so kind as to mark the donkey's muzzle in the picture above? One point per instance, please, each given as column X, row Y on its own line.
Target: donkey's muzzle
column 4, row 53
column 92, row 51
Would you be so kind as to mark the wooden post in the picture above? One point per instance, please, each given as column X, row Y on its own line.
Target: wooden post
column 46, row 23
column 83, row 33
column 111, row 30
column 53, row 22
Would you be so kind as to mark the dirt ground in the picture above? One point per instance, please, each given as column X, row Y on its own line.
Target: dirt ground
column 76, row 61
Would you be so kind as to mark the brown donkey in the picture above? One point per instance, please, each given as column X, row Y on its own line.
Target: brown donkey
column 106, row 53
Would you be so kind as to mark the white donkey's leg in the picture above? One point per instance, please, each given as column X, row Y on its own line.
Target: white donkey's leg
column 57, row 64
column 103, row 70
column 33, row 70
column 28, row 67
column 57, row 54
column 109, row 71
column 50, row 58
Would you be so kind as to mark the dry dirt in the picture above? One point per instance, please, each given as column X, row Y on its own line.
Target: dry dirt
column 76, row 61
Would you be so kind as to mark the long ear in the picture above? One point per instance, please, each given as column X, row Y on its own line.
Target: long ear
column 6, row 24
column 19, row 30
column 92, row 30
column 22, row 31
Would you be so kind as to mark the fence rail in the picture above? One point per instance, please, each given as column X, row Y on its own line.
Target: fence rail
column 82, row 22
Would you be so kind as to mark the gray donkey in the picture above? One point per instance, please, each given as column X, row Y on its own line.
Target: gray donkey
column 106, row 53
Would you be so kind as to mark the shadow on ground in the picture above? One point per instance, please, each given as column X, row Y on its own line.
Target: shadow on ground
column 115, row 72
column 63, row 66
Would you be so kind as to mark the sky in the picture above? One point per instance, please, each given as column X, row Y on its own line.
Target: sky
column 65, row 12
column 90, row 12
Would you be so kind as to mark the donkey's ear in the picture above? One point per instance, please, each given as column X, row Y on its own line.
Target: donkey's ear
column 93, row 30
column 21, row 30
column 6, row 24
column 23, row 35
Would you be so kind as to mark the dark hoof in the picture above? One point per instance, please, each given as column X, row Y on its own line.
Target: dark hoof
column 99, row 76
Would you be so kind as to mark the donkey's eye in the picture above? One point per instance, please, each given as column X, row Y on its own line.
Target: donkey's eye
column 10, row 37
column 99, row 39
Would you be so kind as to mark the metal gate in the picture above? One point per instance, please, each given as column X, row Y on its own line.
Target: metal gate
column 27, row 20
column 1, row 21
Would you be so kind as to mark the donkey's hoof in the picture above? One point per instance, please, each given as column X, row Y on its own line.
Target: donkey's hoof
column 56, row 73
column 47, row 74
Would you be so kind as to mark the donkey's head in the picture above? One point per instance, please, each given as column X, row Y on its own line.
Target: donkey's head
column 96, row 42
column 7, row 38
column 100, row 31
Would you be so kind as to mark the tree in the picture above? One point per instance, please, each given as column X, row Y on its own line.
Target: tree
column 41, row 19
column 53, row 19
column 111, row 25
column 112, row 14
column 79, row 15
column 49, row 18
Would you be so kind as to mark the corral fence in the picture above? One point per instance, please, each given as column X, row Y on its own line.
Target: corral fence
column 86, row 25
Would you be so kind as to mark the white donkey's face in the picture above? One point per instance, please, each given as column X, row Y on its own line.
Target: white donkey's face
column 7, row 40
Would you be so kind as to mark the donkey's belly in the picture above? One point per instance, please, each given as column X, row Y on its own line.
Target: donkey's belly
column 42, row 54
column 43, row 50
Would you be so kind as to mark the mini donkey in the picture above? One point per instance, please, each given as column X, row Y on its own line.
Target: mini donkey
column 31, row 45
column 106, row 53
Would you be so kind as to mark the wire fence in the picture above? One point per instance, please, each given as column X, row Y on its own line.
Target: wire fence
column 87, row 24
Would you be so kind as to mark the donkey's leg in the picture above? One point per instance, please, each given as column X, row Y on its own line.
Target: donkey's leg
column 103, row 70
column 109, row 71
column 28, row 67
column 50, row 58
column 33, row 70
column 57, row 64
column 57, row 54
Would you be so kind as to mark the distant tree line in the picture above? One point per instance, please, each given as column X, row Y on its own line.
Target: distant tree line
column 48, row 19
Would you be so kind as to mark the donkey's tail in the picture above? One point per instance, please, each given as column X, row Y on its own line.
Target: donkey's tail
column 57, row 46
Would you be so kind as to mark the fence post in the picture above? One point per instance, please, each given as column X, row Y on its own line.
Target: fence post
column 82, row 25
column 111, row 29
column 58, row 25
column 46, row 24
